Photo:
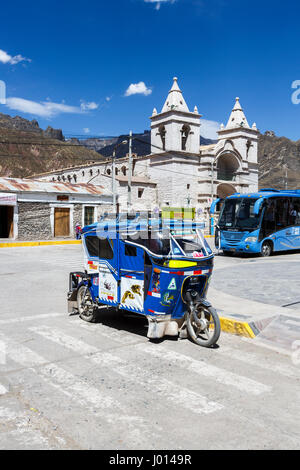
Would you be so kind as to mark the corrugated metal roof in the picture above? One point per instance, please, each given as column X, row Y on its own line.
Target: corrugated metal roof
column 30, row 185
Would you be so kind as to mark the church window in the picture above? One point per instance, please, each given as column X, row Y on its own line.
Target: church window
column 123, row 170
column 185, row 131
column 140, row 192
column 91, row 172
column 108, row 171
column 162, row 133
column 248, row 145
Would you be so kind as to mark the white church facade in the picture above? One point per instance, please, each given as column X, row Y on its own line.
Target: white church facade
column 180, row 172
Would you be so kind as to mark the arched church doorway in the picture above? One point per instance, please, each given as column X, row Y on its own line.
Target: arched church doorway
column 227, row 167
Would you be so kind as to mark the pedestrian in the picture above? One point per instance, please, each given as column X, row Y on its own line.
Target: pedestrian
column 78, row 231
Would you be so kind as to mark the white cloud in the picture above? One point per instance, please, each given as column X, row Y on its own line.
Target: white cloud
column 138, row 89
column 159, row 2
column 85, row 106
column 6, row 58
column 47, row 109
column 209, row 129
column 86, row 130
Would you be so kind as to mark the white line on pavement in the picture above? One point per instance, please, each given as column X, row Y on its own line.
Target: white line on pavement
column 136, row 429
column 30, row 318
column 3, row 390
column 257, row 360
column 204, row 369
column 160, row 386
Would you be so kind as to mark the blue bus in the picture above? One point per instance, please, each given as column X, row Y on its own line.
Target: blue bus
column 262, row 222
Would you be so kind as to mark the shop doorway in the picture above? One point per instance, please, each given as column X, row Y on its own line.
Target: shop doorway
column 61, row 222
column 6, row 221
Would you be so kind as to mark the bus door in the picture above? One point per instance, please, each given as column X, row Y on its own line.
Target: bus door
column 293, row 229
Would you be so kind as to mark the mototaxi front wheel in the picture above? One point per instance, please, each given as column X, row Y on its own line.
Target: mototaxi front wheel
column 203, row 325
column 85, row 305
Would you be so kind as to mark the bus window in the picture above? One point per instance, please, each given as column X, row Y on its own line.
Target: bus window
column 294, row 213
column 282, row 213
column 268, row 223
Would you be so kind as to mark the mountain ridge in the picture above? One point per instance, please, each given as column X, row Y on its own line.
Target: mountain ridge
column 26, row 150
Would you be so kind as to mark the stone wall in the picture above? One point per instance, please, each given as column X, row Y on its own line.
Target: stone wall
column 77, row 217
column 34, row 221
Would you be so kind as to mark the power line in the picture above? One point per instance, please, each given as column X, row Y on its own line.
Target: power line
column 168, row 152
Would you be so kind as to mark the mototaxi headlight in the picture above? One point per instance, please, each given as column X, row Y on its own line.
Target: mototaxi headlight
column 251, row 239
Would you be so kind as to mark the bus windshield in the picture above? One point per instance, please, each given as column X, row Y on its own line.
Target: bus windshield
column 238, row 214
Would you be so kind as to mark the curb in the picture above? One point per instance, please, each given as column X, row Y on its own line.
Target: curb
column 41, row 243
column 239, row 328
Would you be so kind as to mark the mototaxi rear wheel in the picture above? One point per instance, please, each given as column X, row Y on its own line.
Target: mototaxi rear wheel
column 205, row 329
column 85, row 305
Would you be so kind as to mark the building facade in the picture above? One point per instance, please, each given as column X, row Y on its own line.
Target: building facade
column 34, row 210
column 180, row 172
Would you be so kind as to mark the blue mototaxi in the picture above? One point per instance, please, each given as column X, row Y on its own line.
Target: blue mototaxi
column 156, row 268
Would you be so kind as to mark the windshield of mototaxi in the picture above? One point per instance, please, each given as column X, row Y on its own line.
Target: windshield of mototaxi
column 182, row 242
column 237, row 213
column 189, row 242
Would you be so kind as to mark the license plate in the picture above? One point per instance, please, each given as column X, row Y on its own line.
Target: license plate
column 233, row 250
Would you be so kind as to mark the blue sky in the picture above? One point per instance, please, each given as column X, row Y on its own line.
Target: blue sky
column 100, row 67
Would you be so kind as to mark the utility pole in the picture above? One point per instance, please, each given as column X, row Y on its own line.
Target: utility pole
column 129, row 172
column 286, row 177
column 113, row 176
column 113, row 181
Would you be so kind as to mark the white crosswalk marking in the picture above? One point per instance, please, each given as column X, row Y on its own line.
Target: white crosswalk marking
column 259, row 361
column 199, row 367
column 204, row 369
column 160, row 386
column 20, row 319
column 137, row 428
column 108, row 332
column 26, row 430
column 3, row 390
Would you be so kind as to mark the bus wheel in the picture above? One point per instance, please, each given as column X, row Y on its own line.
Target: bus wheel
column 266, row 249
column 86, row 309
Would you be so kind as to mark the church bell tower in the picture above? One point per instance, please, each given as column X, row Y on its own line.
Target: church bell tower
column 175, row 128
